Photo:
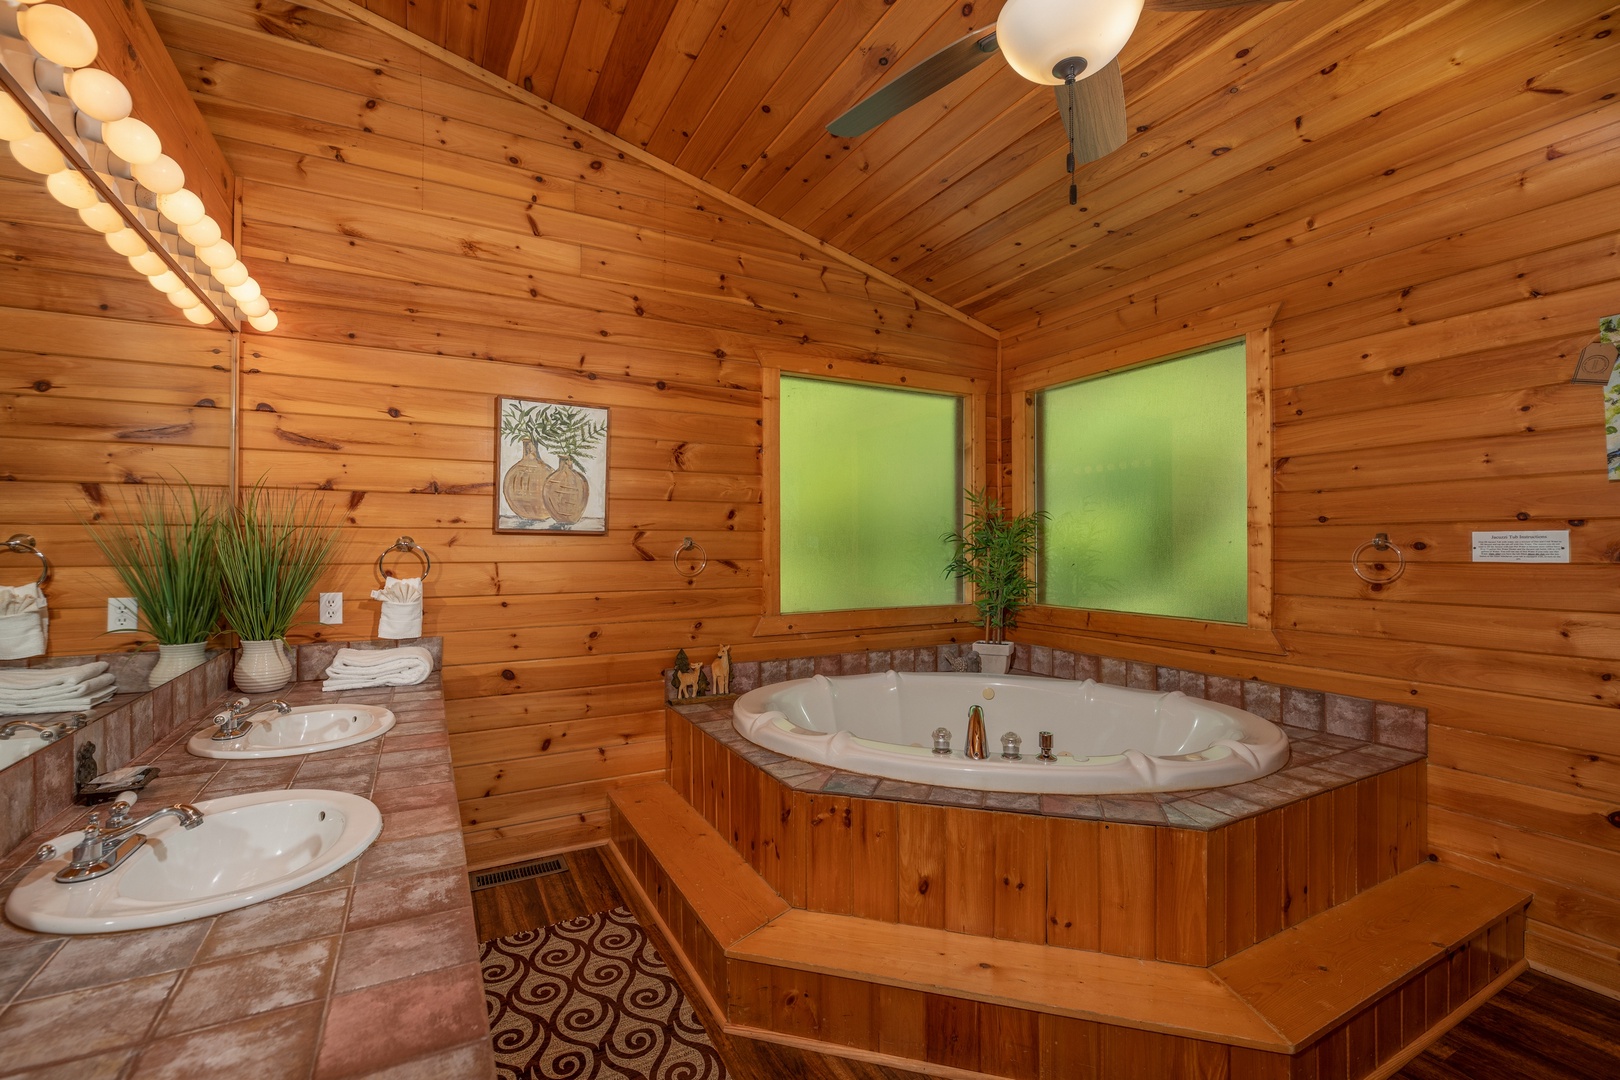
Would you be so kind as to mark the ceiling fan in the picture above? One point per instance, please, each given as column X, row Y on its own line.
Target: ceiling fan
column 1072, row 45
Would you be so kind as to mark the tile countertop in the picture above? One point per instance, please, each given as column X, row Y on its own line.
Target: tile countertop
column 371, row 971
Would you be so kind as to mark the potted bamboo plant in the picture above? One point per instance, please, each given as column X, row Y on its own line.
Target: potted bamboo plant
column 161, row 544
column 993, row 553
column 273, row 548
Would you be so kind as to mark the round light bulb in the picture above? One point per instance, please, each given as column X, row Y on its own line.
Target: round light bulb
column 218, row 254
column 254, row 308
column 199, row 315
column 202, row 232
column 161, row 176
column 166, row 281
column 127, row 242
column 102, row 218
column 232, row 275
column 97, row 94
column 72, row 190
column 264, row 323
column 58, row 35
column 132, row 140
column 248, row 290
column 182, row 207
column 14, row 122
column 148, row 264
column 37, row 153
column 1037, row 36
column 184, row 298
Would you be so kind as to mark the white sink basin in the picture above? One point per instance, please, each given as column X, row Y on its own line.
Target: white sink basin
column 248, row 848
column 308, row 729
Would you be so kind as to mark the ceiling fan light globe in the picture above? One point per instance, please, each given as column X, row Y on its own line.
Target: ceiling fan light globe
column 1036, row 36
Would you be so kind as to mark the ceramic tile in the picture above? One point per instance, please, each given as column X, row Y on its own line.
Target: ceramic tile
column 401, row 949
column 108, row 1066
column 277, row 1045
column 1399, row 725
column 1141, row 676
column 772, row 671
column 879, row 660
column 1017, row 802
column 395, row 800
column 744, row 676
column 32, row 1031
column 1062, row 664
column 413, row 759
column 1072, row 806
column 1167, row 678
column 1263, row 699
column 1187, row 814
column 20, row 962
column 1132, row 808
column 413, row 856
column 853, row 663
column 1225, row 802
column 405, row 824
column 97, row 959
column 407, row 897
column 256, row 982
column 801, row 667
column 1113, row 672
column 1224, row 690
column 900, row 791
column 950, row 796
column 844, row 783
column 386, row 1025
column 389, row 779
column 1087, row 666
column 828, row 665
column 1302, row 708
column 276, row 922
column 1191, row 683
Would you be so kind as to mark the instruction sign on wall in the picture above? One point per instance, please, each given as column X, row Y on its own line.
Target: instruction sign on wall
column 1551, row 545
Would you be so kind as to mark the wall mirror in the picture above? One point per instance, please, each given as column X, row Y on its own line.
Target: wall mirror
column 106, row 386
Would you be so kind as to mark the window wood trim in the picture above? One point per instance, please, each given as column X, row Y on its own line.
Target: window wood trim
column 1254, row 327
column 974, row 394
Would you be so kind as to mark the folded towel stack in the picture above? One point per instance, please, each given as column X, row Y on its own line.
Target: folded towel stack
column 357, row 668
column 26, row 691
column 401, row 608
column 24, row 621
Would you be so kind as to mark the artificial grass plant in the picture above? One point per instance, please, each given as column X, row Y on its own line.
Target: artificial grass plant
column 161, row 544
column 272, row 549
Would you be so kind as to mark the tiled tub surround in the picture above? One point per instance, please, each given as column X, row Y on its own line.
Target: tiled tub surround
column 1359, row 719
column 371, row 971
column 39, row 787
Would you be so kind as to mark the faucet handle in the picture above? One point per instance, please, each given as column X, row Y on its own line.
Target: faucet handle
column 1010, row 744
column 942, row 740
column 118, row 817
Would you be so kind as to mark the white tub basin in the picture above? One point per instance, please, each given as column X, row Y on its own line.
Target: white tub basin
column 248, row 848
column 308, row 729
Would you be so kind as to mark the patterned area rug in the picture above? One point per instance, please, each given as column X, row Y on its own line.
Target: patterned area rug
column 590, row 999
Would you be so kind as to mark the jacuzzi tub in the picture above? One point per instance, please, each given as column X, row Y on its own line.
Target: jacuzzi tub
column 1107, row 739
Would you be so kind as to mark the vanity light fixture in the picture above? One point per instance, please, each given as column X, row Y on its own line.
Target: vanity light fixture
column 72, row 124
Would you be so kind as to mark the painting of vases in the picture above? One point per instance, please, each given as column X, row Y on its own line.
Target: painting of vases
column 550, row 467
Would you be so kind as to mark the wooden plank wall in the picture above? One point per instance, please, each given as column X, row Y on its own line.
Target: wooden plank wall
column 105, row 384
column 432, row 243
column 1433, row 300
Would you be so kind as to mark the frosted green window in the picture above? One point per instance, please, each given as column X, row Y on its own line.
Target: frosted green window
column 870, row 483
column 1144, row 473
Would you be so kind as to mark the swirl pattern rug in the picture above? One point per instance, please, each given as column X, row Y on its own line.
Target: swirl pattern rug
column 590, row 999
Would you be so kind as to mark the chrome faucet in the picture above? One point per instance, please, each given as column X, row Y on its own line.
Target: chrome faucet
column 975, row 734
column 233, row 722
column 1046, row 748
column 49, row 730
column 100, row 853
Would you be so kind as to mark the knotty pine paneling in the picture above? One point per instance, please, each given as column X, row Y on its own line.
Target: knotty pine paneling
column 1433, row 296
column 106, row 386
column 432, row 244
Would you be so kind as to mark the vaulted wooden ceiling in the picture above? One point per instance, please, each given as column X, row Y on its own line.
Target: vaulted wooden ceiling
column 1238, row 117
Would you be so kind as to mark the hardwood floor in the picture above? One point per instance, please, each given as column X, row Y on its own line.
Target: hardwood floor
column 1536, row 1029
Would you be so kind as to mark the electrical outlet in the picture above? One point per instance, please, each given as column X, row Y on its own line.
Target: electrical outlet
column 331, row 608
column 121, row 612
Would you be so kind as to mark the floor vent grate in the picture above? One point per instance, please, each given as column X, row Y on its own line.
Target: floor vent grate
column 538, row 868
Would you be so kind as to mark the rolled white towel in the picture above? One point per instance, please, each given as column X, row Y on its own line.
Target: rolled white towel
column 357, row 668
column 63, row 699
column 24, row 621
column 401, row 608
column 39, row 678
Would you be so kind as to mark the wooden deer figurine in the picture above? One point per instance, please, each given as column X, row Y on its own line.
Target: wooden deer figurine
column 688, row 683
column 722, row 671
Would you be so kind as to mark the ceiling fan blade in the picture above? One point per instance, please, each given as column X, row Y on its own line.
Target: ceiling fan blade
column 1202, row 5
column 1098, row 124
column 933, row 74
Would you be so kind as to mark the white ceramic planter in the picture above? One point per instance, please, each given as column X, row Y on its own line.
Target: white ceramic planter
column 994, row 657
column 262, row 666
column 176, row 660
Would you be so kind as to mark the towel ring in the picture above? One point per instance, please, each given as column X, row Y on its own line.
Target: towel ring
column 23, row 544
column 1379, row 542
column 690, row 545
column 405, row 543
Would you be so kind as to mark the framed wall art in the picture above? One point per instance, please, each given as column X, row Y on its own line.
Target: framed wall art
column 550, row 467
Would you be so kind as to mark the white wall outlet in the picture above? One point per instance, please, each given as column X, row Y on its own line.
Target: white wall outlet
column 121, row 612
column 331, row 608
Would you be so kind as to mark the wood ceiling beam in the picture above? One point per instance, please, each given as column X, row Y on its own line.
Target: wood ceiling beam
column 517, row 93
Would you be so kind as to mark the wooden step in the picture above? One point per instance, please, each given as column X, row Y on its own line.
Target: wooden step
column 1422, row 946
